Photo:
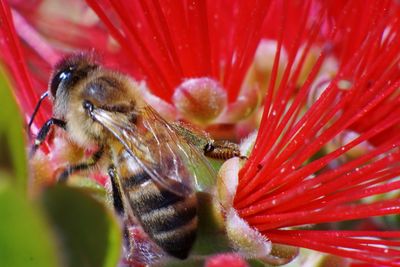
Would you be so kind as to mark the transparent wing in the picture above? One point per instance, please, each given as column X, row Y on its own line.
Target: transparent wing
column 159, row 150
column 203, row 175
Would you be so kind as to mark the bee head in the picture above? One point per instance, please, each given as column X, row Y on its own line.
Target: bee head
column 69, row 71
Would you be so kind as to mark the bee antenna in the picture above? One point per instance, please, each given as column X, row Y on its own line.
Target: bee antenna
column 42, row 97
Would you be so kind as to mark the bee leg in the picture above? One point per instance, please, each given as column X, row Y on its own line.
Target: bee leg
column 81, row 166
column 222, row 150
column 116, row 191
column 44, row 131
column 119, row 206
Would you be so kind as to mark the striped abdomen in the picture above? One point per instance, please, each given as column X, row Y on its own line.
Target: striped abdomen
column 170, row 220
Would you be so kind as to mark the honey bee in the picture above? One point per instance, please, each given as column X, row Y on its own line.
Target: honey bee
column 155, row 166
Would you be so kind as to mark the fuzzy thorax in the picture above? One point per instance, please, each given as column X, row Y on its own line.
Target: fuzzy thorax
column 104, row 89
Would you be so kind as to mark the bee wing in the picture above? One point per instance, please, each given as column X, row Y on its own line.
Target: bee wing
column 202, row 174
column 156, row 147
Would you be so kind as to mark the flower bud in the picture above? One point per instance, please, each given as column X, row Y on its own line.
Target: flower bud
column 246, row 240
column 280, row 255
column 259, row 73
column 318, row 88
column 200, row 100
column 346, row 137
column 227, row 182
column 326, row 74
column 244, row 106
column 308, row 63
column 265, row 55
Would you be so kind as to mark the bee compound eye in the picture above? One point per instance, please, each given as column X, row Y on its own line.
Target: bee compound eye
column 88, row 106
column 61, row 76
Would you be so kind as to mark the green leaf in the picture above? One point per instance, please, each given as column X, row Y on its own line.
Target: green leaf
column 25, row 239
column 90, row 186
column 12, row 146
column 89, row 233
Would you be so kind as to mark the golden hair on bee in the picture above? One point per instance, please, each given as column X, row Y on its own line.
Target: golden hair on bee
column 79, row 79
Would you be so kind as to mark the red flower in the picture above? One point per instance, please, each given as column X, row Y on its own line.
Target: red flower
column 298, row 173
column 226, row 260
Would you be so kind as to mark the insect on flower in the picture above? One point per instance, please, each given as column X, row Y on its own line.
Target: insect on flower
column 155, row 166
column 319, row 95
